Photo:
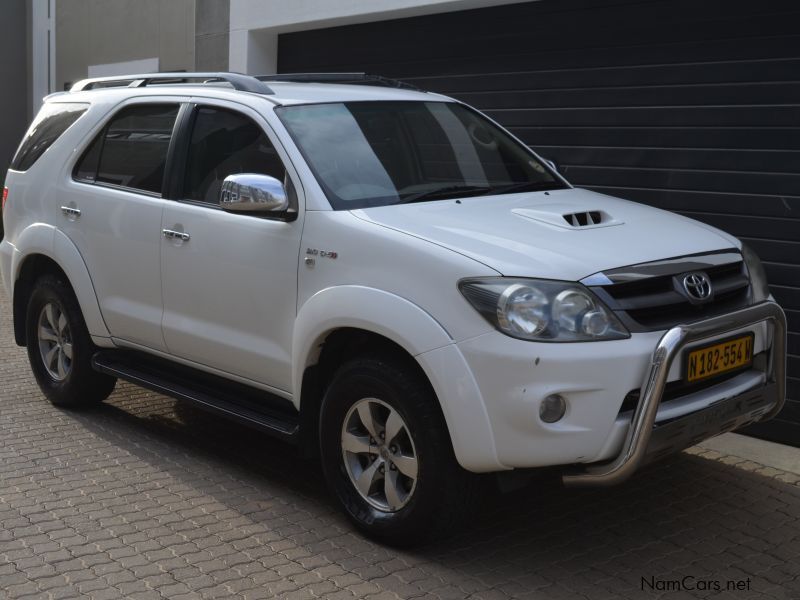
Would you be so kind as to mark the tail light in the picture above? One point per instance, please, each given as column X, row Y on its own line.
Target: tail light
column 5, row 197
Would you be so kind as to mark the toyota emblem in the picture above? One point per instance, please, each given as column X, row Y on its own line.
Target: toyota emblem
column 697, row 286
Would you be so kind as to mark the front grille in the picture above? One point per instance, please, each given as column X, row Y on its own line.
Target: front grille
column 649, row 298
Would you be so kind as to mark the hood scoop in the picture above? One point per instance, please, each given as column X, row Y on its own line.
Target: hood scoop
column 567, row 217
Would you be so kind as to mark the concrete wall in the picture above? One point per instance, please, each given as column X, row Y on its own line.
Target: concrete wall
column 212, row 34
column 14, row 75
column 103, row 32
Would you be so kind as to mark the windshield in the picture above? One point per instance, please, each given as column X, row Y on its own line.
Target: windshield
column 377, row 153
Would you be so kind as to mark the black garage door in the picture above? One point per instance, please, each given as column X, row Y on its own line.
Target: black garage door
column 689, row 106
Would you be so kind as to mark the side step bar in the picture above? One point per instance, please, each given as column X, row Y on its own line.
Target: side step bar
column 252, row 407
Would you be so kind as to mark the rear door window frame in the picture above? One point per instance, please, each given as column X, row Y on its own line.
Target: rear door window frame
column 99, row 133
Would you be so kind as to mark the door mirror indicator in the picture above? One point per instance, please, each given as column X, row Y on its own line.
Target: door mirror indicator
column 253, row 193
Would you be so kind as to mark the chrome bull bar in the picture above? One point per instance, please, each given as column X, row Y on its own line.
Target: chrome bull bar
column 635, row 447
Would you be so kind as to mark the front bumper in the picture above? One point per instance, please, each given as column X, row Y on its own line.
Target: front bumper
column 646, row 441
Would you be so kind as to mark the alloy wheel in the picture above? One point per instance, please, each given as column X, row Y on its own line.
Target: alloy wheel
column 379, row 454
column 55, row 341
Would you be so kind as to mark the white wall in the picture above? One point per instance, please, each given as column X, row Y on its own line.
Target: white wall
column 256, row 24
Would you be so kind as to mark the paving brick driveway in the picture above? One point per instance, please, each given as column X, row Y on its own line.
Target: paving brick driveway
column 146, row 498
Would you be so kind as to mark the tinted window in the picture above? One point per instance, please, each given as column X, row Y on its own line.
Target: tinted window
column 223, row 143
column 87, row 167
column 378, row 153
column 132, row 149
column 53, row 120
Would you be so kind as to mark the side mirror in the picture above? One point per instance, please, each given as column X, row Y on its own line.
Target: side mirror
column 253, row 193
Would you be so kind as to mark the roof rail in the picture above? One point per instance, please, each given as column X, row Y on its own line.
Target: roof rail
column 242, row 83
column 352, row 78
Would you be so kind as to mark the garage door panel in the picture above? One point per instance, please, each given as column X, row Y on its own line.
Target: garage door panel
column 401, row 66
column 764, row 115
column 682, row 200
column 731, row 181
column 775, row 251
column 708, row 138
column 769, row 161
column 706, row 73
column 740, row 226
column 789, row 299
column 735, row 94
column 783, row 273
column 793, row 322
column 794, row 344
column 547, row 28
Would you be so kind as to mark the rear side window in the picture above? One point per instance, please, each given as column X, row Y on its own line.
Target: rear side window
column 131, row 151
column 53, row 119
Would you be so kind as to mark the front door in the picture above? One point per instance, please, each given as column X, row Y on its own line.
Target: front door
column 229, row 280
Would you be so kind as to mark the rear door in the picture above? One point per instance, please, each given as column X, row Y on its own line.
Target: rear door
column 111, row 210
column 229, row 280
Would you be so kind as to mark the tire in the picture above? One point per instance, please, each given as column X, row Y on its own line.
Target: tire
column 396, row 509
column 55, row 330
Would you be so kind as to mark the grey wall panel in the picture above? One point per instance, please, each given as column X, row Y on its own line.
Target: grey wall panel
column 99, row 32
column 212, row 34
column 14, row 75
column 689, row 106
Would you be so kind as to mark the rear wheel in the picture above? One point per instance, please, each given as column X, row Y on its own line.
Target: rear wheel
column 59, row 346
column 387, row 456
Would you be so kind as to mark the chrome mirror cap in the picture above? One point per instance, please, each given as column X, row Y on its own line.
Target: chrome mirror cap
column 252, row 192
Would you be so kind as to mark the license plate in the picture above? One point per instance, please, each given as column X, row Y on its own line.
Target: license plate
column 719, row 358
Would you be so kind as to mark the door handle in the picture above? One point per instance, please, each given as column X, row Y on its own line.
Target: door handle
column 176, row 235
column 70, row 211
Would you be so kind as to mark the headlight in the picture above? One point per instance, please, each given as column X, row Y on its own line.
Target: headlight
column 542, row 310
column 758, row 277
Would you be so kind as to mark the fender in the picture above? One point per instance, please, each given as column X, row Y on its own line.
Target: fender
column 422, row 337
column 50, row 242
column 365, row 308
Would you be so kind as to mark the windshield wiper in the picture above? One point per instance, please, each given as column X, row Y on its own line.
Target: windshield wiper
column 527, row 186
column 446, row 191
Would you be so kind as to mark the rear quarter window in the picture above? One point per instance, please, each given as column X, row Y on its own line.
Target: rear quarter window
column 53, row 119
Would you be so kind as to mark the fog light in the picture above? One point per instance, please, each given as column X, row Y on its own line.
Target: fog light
column 552, row 408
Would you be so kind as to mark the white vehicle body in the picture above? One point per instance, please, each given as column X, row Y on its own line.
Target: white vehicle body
column 253, row 300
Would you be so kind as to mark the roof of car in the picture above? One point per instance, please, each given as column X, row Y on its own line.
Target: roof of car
column 304, row 93
column 357, row 87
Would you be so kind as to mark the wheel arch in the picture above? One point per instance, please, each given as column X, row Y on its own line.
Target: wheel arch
column 37, row 260
column 360, row 308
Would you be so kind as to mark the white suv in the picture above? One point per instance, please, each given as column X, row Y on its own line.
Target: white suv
column 382, row 275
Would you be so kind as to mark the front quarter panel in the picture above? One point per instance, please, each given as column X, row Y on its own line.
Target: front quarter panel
column 424, row 338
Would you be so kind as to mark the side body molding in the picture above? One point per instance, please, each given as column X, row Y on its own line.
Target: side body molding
column 420, row 335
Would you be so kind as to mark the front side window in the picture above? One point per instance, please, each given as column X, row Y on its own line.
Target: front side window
column 131, row 151
column 223, row 143
column 53, row 119
column 385, row 152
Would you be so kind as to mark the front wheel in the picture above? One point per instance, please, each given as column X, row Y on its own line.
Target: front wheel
column 387, row 456
column 59, row 347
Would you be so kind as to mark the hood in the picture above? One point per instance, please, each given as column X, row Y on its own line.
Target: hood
column 562, row 234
